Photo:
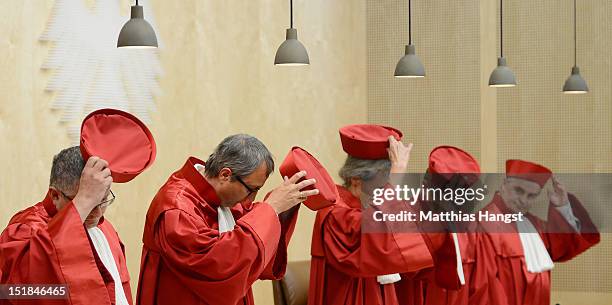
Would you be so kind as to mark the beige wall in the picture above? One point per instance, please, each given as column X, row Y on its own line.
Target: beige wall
column 458, row 44
column 218, row 80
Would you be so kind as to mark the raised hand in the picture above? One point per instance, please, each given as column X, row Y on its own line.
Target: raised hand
column 399, row 154
column 290, row 194
column 94, row 184
column 558, row 196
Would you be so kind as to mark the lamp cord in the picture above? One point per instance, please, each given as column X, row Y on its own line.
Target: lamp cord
column 291, row 13
column 574, row 33
column 409, row 23
column 137, row 2
column 501, row 27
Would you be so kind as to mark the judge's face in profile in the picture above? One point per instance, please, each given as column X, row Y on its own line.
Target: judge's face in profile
column 519, row 194
column 234, row 189
column 61, row 199
column 94, row 216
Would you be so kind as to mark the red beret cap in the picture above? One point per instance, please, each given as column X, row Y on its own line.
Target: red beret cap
column 119, row 138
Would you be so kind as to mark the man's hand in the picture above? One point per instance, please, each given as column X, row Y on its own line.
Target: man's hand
column 558, row 197
column 290, row 194
column 399, row 155
column 95, row 182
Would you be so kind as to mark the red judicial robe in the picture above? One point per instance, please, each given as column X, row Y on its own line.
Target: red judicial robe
column 345, row 262
column 421, row 287
column 41, row 245
column 505, row 279
column 185, row 261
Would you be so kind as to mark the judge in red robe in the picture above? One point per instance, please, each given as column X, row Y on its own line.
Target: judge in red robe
column 64, row 239
column 205, row 242
column 449, row 167
column 518, row 257
column 352, row 267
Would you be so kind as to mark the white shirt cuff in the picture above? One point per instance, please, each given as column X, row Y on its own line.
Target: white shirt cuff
column 568, row 214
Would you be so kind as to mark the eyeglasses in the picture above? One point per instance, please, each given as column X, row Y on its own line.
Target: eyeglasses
column 108, row 201
column 102, row 204
column 251, row 190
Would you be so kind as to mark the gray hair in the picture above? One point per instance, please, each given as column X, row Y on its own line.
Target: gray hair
column 66, row 169
column 362, row 168
column 241, row 153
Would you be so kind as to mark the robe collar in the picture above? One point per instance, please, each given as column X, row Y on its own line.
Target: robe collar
column 48, row 205
column 199, row 183
column 348, row 197
column 537, row 258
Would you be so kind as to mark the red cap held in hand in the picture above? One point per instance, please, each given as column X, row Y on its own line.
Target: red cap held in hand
column 299, row 159
column 119, row 138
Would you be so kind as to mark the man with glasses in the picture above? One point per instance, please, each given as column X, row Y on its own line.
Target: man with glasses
column 65, row 240
column 205, row 241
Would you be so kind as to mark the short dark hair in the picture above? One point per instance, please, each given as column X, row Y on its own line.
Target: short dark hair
column 66, row 170
column 241, row 153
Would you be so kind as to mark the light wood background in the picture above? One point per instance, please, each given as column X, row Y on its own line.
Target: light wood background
column 458, row 42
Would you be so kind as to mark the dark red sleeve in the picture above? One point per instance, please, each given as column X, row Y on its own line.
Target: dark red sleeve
column 562, row 241
column 275, row 270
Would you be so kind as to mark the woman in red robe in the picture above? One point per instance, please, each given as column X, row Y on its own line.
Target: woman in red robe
column 351, row 267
